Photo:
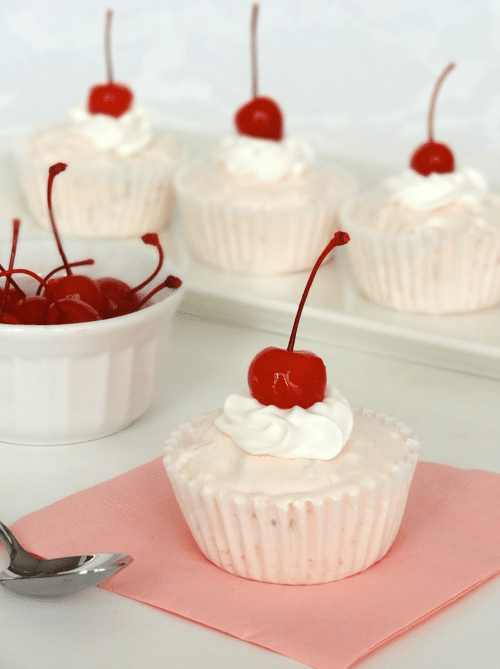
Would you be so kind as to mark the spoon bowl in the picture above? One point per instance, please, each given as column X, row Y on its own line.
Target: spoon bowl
column 31, row 576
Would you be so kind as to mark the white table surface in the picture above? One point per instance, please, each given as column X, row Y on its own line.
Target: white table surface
column 377, row 358
column 455, row 414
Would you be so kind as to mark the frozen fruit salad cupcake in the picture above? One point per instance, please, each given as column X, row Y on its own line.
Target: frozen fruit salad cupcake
column 118, row 183
column 287, row 484
column 429, row 240
column 261, row 204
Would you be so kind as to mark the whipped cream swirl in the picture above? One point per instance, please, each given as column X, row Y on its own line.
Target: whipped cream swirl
column 421, row 193
column 265, row 159
column 127, row 134
column 317, row 433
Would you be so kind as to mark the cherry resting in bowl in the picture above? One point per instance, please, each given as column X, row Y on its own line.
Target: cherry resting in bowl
column 71, row 383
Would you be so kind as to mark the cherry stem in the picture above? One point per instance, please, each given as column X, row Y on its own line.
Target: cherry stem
column 432, row 106
column 13, row 283
column 16, row 224
column 107, row 45
column 54, row 170
column 152, row 239
column 78, row 263
column 170, row 282
column 253, row 50
column 339, row 239
column 9, row 273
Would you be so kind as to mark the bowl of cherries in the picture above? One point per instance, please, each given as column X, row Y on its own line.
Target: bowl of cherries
column 84, row 330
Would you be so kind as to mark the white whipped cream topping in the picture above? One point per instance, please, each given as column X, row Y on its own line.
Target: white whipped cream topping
column 127, row 134
column 317, row 433
column 421, row 193
column 266, row 159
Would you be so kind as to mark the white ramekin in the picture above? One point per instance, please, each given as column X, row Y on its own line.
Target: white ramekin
column 71, row 383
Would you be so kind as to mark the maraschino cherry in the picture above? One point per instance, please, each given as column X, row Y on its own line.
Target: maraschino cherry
column 261, row 116
column 76, row 286
column 434, row 156
column 120, row 298
column 111, row 98
column 26, row 310
column 288, row 378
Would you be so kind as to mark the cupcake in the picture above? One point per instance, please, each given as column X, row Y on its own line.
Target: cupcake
column 84, row 329
column 286, row 483
column 261, row 204
column 119, row 180
column 428, row 241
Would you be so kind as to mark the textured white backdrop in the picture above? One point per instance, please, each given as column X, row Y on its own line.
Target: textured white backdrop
column 352, row 76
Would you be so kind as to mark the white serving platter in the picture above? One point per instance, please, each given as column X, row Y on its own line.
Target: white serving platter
column 335, row 311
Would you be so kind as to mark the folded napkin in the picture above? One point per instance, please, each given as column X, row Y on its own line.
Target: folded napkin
column 448, row 543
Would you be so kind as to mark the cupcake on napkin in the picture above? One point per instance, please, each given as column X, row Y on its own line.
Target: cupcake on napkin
column 287, row 484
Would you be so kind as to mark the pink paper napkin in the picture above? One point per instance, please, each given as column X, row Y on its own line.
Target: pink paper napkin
column 448, row 543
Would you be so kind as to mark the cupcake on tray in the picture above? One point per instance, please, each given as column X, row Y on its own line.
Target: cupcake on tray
column 287, row 484
column 118, row 183
column 429, row 240
column 262, row 204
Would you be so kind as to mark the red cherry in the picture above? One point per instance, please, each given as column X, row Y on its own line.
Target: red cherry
column 13, row 284
column 111, row 98
column 119, row 299
column 8, row 297
column 8, row 318
column 79, row 287
column 32, row 310
column 260, row 117
column 71, row 310
column 26, row 310
column 433, row 156
column 78, row 263
column 288, row 378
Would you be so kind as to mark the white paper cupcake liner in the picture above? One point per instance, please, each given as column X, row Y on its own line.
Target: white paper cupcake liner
column 126, row 200
column 428, row 274
column 256, row 240
column 314, row 541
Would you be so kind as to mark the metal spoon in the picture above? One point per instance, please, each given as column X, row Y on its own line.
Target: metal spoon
column 35, row 577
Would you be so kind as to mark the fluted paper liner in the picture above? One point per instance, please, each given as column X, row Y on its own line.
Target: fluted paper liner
column 259, row 239
column 126, row 200
column 456, row 273
column 314, row 541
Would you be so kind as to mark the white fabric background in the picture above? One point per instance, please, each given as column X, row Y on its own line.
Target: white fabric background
column 352, row 76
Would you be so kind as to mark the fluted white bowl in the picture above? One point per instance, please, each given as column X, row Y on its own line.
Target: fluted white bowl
column 72, row 383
